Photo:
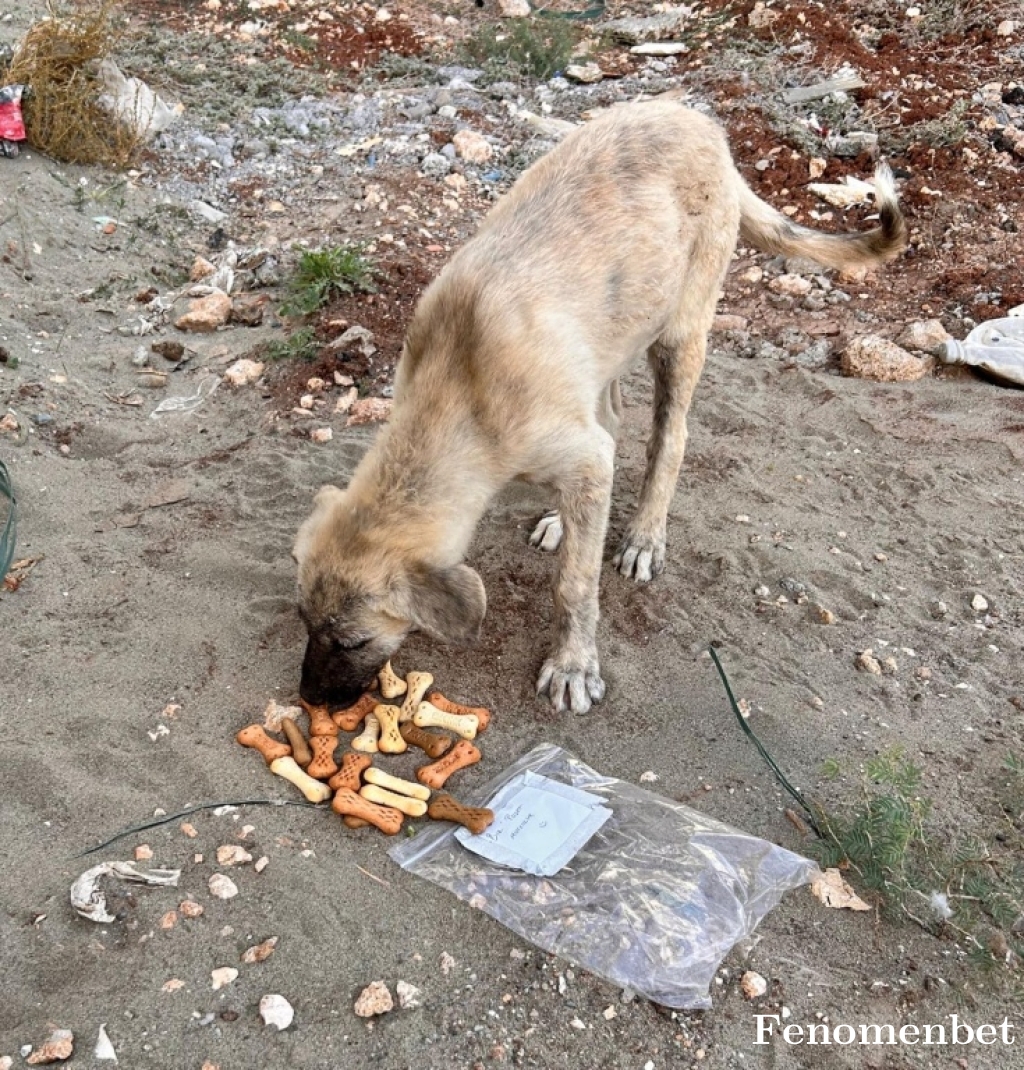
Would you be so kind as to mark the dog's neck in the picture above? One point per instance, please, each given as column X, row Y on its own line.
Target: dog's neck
column 426, row 491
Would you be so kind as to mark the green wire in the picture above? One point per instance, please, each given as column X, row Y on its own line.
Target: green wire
column 10, row 529
column 812, row 813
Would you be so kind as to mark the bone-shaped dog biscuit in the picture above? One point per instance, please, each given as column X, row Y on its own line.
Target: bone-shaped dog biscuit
column 312, row 789
column 429, row 716
column 483, row 716
column 418, row 683
column 300, row 748
column 445, row 808
column 431, row 743
column 409, row 807
column 348, row 803
column 323, row 766
column 391, row 684
column 366, row 741
column 255, row 737
column 320, row 723
column 350, row 718
column 460, row 756
column 390, row 741
column 350, row 773
column 394, row 783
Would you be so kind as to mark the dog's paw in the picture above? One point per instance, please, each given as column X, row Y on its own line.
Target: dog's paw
column 547, row 535
column 640, row 557
column 570, row 687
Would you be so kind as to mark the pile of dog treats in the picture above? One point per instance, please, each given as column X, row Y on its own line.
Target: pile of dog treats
column 362, row 793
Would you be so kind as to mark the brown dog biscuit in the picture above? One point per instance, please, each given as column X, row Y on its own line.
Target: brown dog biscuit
column 350, row 772
column 349, row 803
column 320, row 723
column 254, row 736
column 433, row 744
column 350, row 718
column 460, row 756
column 390, row 740
column 445, row 808
column 300, row 748
column 323, row 764
column 483, row 716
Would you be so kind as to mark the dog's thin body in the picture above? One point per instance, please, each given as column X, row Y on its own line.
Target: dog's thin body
column 612, row 247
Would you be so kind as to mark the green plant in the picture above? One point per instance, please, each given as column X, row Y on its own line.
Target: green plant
column 526, row 48
column 299, row 345
column 913, row 867
column 322, row 274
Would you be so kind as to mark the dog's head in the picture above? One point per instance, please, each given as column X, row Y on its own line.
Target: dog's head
column 362, row 590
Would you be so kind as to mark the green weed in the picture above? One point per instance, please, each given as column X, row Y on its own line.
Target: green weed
column 322, row 274
column 523, row 49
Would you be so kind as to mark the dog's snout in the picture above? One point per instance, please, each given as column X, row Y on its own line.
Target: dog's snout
column 328, row 678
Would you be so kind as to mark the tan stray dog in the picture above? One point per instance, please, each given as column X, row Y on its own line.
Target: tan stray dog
column 612, row 247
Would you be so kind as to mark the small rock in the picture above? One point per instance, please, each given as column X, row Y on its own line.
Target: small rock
column 820, row 614
column 472, row 147
column 321, row 435
column 587, row 73
column 867, row 662
column 660, row 48
column 577, row 1024
column 979, row 603
column 729, row 323
column 222, row 887
column 925, row 336
column 1006, row 28
column 190, row 909
column 259, row 952
column 201, row 269
column 633, row 31
column 369, row 411
column 889, row 666
column 346, row 401
column 408, row 996
column 243, row 372
column 172, row 351
column 306, row 401
column 753, row 985
column 938, row 610
column 357, row 338
column 223, row 976
column 232, row 855
column 609, row 1013
column 169, row 920
column 58, row 1048
column 878, row 359
column 514, row 9
column 207, row 212
column 316, row 385
column 435, row 165
column 447, row 963
column 752, row 274
column 793, row 587
column 761, row 591
column 143, row 853
column 173, row 985
column 248, row 311
column 261, row 864
column 206, row 314
column 275, row 1010
column 649, row 777
column 922, row 672
column 790, row 285
column 374, row 999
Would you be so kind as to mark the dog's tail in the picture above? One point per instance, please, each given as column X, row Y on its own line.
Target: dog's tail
column 770, row 231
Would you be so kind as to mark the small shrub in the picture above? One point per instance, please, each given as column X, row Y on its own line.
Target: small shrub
column 322, row 274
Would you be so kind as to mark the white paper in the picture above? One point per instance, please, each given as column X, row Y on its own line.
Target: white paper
column 539, row 825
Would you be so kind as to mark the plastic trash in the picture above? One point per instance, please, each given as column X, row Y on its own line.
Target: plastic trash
column 653, row 901
column 996, row 346
column 12, row 124
column 190, row 402
column 133, row 104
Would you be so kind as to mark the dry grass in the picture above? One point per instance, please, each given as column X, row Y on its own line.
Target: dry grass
column 59, row 60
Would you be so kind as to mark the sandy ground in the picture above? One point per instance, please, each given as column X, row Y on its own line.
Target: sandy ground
column 880, row 499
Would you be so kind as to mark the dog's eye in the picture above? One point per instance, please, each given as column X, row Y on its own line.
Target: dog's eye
column 351, row 644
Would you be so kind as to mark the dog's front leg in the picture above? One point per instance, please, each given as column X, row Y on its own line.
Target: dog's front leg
column 571, row 677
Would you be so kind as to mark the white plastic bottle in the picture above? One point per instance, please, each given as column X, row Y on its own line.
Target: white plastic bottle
column 996, row 346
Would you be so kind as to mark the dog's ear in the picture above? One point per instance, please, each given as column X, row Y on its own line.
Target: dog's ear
column 448, row 604
column 325, row 497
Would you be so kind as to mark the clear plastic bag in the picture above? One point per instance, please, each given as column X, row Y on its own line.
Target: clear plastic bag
column 653, row 902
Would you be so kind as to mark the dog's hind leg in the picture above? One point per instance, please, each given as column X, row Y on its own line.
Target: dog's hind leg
column 571, row 677
column 547, row 535
column 676, row 359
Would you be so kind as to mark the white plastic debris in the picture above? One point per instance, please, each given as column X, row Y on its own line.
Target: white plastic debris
column 104, row 1050
column 133, row 104
column 996, row 346
column 939, row 903
column 87, row 897
column 276, row 1011
column 408, row 996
